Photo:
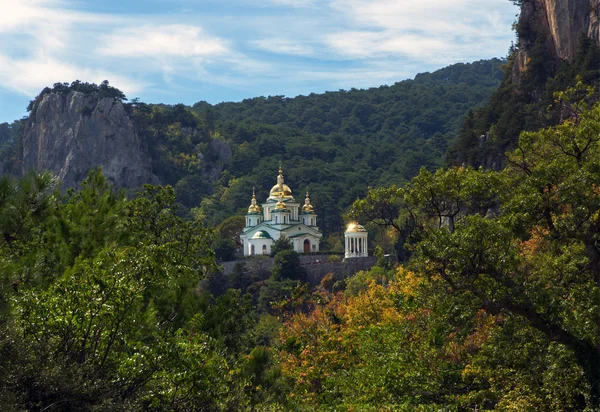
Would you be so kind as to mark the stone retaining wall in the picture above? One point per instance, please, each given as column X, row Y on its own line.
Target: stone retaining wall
column 316, row 266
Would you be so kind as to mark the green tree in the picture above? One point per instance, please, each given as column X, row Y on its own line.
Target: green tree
column 381, row 206
column 91, row 218
column 286, row 265
column 542, row 248
column 153, row 221
column 109, row 326
column 27, row 206
column 281, row 244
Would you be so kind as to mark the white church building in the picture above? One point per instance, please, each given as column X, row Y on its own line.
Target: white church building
column 280, row 216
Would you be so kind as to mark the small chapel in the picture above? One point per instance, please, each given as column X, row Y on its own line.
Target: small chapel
column 280, row 216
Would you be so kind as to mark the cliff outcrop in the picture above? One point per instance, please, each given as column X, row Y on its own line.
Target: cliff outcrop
column 558, row 43
column 69, row 134
column 560, row 23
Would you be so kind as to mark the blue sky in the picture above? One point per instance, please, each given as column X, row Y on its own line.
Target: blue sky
column 184, row 51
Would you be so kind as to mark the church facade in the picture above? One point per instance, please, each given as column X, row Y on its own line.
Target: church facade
column 280, row 216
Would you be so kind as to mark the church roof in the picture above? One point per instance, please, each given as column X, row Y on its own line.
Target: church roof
column 300, row 234
column 354, row 228
column 307, row 208
column 280, row 190
column 261, row 234
column 254, row 209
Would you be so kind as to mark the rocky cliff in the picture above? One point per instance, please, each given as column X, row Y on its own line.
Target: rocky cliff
column 560, row 23
column 68, row 134
column 558, row 43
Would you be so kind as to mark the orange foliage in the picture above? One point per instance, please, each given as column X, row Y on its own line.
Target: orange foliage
column 342, row 336
column 530, row 247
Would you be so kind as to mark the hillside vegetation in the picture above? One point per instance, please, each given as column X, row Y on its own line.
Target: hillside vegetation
column 115, row 304
column 111, row 302
column 339, row 143
column 523, row 105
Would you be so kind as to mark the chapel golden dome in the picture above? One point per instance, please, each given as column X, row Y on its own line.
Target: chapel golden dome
column 254, row 208
column 280, row 187
column 280, row 205
column 354, row 227
column 307, row 208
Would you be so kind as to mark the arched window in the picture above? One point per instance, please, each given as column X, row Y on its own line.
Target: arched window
column 252, row 250
column 264, row 249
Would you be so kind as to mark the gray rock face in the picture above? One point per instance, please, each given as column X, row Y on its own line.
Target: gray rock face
column 562, row 22
column 71, row 134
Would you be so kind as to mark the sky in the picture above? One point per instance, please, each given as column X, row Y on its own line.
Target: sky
column 185, row 51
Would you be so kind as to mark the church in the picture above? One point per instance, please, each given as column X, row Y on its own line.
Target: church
column 280, row 216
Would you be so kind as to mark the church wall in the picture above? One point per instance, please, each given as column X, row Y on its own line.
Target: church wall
column 298, row 243
column 261, row 246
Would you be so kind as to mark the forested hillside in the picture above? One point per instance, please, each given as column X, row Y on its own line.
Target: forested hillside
column 110, row 304
column 339, row 143
column 112, row 301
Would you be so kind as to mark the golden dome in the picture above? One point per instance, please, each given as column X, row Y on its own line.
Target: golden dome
column 280, row 205
column 354, row 228
column 280, row 187
column 284, row 189
column 307, row 208
column 254, row 208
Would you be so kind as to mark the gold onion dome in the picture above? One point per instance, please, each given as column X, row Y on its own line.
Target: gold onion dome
column 280, row 205
column 280, row 188
column 354, row 228
column 307, row 208
column 254, row 208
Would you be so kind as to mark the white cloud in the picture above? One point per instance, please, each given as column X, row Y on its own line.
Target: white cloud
column 29, row 76
column 164, row 40
column 184, row 48
column 432, row 16
column 439, row 29
column 21, row 13
column 283, row 46
column 363, row 44
column 44, row 42
column 295, row 3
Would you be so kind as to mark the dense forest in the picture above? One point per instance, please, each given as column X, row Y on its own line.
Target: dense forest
column 338, row 143
column 113, row 301
column 109, row 303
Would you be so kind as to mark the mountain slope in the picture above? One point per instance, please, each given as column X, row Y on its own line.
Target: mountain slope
column 557, row 44
column 336, row 142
